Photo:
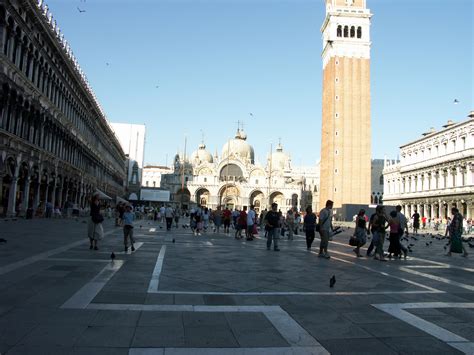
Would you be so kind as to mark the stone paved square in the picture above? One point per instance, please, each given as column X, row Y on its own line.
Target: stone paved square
column 216, row 293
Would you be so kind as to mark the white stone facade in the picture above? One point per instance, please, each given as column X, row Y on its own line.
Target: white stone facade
column 434, row 173
column 152, row 175
column 234, row 180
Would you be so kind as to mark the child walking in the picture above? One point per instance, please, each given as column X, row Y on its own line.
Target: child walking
column 128, row 218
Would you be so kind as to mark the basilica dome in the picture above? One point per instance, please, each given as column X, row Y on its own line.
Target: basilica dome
column 239, row 148
column 202, row 155
column 280, row 160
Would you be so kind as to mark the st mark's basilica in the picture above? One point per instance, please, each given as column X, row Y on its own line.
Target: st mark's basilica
column 234, row 179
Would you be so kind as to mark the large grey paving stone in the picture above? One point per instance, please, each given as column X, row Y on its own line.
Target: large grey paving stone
column 153, row 298
column 209, row 336
column 197, row 319
column 159, row 337
column 394, row 328
column 121, row 318
column 336, row 330
column 70, row 317
column 189, row 299
column 161, row 319
column 106, row 336
column 255, row 330
column 217, row 300
column 356, row 347
column 51, row 336
column 419, row 345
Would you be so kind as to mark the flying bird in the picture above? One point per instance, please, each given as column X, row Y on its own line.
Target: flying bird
column 456, row 101
column 332, row 281
column 81, row 11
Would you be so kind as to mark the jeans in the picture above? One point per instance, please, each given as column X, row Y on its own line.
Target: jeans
column 378, row 239
column 272, row 235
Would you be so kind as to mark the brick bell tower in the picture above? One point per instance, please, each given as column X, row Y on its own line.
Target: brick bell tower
column 345, row 135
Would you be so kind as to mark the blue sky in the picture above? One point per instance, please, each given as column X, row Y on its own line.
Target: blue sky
column 216, row 61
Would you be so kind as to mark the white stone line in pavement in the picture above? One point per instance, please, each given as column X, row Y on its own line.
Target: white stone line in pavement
column 295, row 293
column 433, row 290
column 438, row 266
column 226, row 351
column 438, row 278
column 289, row 329
column 86, row 294
column 38, row 257
column 155, row 277
column 454, row 340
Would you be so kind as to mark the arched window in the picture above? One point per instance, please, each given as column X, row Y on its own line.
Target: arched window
column 359, row 32
column 339, row 31
column 346, row 31
column 353, row 32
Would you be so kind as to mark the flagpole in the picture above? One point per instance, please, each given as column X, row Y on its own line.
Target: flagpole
column 270, row 176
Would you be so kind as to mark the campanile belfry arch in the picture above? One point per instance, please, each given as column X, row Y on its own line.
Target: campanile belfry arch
column 346, row 132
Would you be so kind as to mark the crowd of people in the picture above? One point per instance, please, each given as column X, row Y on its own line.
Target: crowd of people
column 276, row 224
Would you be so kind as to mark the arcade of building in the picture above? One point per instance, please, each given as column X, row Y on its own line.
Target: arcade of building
column 55, row 141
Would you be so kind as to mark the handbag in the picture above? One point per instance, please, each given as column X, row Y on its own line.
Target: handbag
column 353, row 241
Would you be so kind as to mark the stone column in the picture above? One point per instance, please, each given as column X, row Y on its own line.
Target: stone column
column 46, row 192
column 53, row 194
column 60, row 195
column 459, row 176
column 26, row 196
column 432, row 211
column 11, row 212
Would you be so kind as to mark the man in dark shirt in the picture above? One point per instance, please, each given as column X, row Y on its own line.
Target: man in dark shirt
column 416, row 222
column 272, row 220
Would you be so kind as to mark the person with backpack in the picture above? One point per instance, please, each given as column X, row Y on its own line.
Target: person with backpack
column 325, row 229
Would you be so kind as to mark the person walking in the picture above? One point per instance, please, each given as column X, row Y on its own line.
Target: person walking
column 95, row 230
column 309, row 226
column 217, row 218
column 227, row 215
column 177, row 216
column 416, row 222
column 360, row 231
column 394, row 246
column 251, row 220
column 290, row 222
column 241, row 223
column 455, row 230
column 169, row 214
column 272, row 221
column 325, row 229
column 205, row 219
column 379, row 225
column 403, row 229
column 128, row 218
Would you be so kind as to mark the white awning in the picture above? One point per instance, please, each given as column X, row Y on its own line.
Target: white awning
column 133, row 197
column 102, row 196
